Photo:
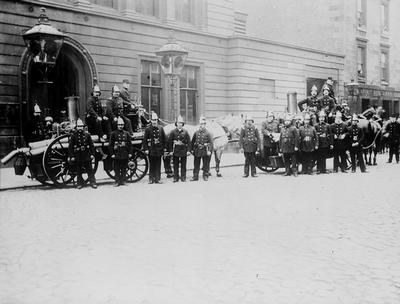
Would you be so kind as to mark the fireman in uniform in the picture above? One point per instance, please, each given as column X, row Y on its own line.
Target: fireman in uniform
column 392, row 132
column 329, row 84
column 356, row 151
column 129, row 104
column 49, row 127
column 202, row 147
column 81, row 153
column 179, row 146
column 325, row 142
column 154, row 144
column 249, row 143
column 96, row 118
column 326, row 102
column 289, row 145
column 120, row 150
column 116, row 109
column 308, row 144
column 269, row 127
column 311, row 103
column 35, row 129
column 340, row 143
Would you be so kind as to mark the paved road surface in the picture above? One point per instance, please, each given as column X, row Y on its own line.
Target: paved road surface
column 312, row 239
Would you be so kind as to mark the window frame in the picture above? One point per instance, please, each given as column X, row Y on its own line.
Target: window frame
column 384, row 17
column 384, row 75
column 149, row 86
column 362, row 10
column 191, row 12
column 115, row 4
column 184, row 90
column 362, row 78
column 156, row 8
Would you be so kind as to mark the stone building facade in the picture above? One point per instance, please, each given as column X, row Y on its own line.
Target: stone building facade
column 367, row 32
column 227, row 70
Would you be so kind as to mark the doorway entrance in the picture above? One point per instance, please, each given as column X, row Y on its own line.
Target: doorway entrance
column 72, row 75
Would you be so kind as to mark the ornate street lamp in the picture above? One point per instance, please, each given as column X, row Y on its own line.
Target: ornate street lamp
column 352, row 92
column 44, row 43
column 172, row 57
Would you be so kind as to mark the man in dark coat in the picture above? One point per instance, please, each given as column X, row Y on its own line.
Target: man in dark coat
column 249, row 143
column 179, row 146
column 116, row 109
column 311, row 103
column 356, row 138
column 97, row 121
column 202, row 147
column 308, row 144
column 392, row 132
column 326, row 102
column 130, row 106
column 289, row 145
column 269, row 127
column 35, row 128
column 325, row 142
column 121, row 151
column 340, row 143
column 81, row 153
column 154, row 144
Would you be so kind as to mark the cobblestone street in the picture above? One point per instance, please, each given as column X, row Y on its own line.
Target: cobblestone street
column 312, row 239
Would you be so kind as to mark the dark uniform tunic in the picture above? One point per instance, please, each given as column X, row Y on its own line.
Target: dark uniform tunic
column 154, row 141
column 202, row 142
column 35, row 130
column 81, row 148
column 325, row 141
column 269, row 144
column 289, row 140
column 308, row 144
column 94, row 111
column 249, row 141
column 121, row 147
column 356, row 153
column 115, row 110
column 311, row 102
column 340, row 145
column 327, row 104
column 393, row 130
column 128, row 103
column 179, row 145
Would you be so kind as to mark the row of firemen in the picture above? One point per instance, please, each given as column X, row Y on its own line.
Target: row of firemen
column 155, row 144
column 312, row 142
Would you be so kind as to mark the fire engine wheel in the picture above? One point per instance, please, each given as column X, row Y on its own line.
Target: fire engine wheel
column 56, row 165
column 264, row 165
column 138, row 165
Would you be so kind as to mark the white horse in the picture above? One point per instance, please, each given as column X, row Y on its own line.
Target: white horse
column 222, row 129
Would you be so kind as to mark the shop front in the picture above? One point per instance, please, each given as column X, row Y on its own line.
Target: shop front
column 361, row 97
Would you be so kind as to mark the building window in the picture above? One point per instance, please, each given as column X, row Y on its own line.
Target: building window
column 150, row 84
column 266, row 91
column 106, row 3
column 361, row 62
column 361, row 13
column 183, row 11
column 385, row 66
column 188, row 93
column 148, row 7
column 384, row 17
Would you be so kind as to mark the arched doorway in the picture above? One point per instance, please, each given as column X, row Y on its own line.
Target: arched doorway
column 72, row 75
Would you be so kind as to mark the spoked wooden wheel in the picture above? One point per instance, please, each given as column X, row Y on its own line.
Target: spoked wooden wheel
column 55, row 161
column 56, row 165
column 264, row 164
column 138, row 165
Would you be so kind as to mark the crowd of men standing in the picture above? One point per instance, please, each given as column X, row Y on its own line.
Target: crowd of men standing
column 326, row 129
